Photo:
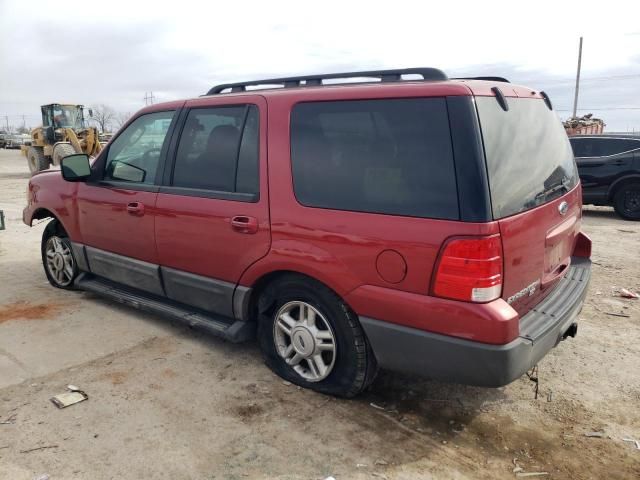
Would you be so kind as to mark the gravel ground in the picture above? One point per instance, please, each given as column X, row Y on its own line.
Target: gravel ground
column 168, row 403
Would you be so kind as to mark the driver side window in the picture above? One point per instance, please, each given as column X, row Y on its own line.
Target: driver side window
column 134, row 156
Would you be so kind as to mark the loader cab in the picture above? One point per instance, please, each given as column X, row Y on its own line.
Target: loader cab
column 63, row 116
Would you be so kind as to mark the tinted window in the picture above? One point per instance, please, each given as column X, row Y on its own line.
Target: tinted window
column 582, row 147
column 218, row 150
column 602, row 147
column 134, row 155
column 614, row 146
column 382, row 156
column 529, row 157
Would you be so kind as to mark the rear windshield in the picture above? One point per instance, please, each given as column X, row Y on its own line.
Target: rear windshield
column 391, row 156
column 529, row 158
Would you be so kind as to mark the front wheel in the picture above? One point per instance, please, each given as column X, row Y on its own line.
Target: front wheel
column 626, row 201
column 309, row 337
column 57, row 257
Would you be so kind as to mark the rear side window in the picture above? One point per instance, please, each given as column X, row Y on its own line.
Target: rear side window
column 218, row 150
column 583, row 147
column 381, row 156
column 602, row 147
column 529, row 158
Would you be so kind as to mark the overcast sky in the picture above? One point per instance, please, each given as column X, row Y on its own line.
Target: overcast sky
column 113, row 52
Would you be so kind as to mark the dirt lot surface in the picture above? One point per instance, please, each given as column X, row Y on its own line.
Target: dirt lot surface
column 168, row 403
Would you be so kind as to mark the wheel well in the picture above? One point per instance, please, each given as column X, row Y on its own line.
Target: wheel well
column 261, row 284
column 621, row 183
column 43, row 213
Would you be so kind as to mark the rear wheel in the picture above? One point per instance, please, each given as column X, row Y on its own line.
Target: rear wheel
column 37, row 160
column 61, row 150
column 626, row 201
column 57, row 257
column 310, row 337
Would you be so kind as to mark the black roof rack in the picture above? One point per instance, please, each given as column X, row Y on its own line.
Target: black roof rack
column 311, row 80
column 491, row 79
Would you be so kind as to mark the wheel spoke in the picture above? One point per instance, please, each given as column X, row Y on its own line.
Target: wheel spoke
column 283, row 326
column 326, row 347
column 68, row 272
column 288, row 320
column 317, row 365
column 324, row 335
column 50, row 253
column 310, row 316
column 295, row 360
column 288, row 350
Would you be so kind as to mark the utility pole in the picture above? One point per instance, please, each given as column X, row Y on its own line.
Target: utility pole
column 148, row 98
column 575, row 98
column 6, row 118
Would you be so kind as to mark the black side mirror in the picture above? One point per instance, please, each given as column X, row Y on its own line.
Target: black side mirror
column 75, row 168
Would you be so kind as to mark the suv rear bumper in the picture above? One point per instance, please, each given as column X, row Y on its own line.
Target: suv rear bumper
column 456, row 360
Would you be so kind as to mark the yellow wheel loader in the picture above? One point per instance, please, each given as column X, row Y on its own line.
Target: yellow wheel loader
column 63, row 132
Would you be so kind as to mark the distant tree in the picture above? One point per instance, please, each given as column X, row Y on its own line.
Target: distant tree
column 103, row 115
column 23, row 130
column 121, row 118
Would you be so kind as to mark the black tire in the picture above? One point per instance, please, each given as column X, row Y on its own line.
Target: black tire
column 61, row 150
column 626, row 201
column 52, row 233
column 37, row 160
column 354, row 366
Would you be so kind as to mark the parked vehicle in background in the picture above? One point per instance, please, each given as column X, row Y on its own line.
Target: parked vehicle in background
column 3, row 139
column 426, row 226
column 17, row 141
column 609, row 167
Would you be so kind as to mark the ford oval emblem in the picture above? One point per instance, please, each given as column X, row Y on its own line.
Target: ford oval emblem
column 563, row 208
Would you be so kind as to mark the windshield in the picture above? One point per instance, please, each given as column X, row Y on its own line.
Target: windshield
column 529, row 158
column 67, row 116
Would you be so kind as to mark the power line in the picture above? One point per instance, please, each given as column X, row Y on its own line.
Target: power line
column 598, row 108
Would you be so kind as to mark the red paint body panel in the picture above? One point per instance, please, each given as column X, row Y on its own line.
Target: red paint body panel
column 105, row 223
column 494, row 322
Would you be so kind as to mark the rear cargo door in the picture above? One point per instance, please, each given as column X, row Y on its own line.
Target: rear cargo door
column 535, row 195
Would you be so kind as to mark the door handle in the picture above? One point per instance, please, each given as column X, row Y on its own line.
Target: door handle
column 244, row 224
column 135, row 208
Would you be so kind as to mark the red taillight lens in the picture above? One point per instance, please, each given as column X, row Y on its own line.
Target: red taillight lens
column 470, row 269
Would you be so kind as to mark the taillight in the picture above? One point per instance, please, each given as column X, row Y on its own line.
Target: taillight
column 470, row 269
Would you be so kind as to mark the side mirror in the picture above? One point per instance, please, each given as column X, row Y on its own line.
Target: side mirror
column 90, row 113
column 75, row 168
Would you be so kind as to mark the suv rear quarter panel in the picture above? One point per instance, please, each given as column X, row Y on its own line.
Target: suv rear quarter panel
column 341, row 248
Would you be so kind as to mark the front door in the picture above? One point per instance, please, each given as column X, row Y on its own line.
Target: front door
column 212, row 218
column 117, row 209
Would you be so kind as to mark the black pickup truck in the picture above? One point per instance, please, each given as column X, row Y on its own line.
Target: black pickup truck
column 609, row 167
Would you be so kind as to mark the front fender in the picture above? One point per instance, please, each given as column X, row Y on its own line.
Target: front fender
column 48, row 192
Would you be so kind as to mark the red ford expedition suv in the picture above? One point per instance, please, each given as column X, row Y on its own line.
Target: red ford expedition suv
column 425, row 225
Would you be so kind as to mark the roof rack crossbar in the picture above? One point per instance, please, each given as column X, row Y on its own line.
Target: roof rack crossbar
column 433, row 74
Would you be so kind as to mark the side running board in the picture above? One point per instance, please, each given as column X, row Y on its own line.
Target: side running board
column 232, row 330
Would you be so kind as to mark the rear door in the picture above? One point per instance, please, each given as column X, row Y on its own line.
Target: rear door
column 535, row 195
column 213, row 209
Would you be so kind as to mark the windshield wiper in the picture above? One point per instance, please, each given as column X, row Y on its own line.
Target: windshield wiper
column 563, row 185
